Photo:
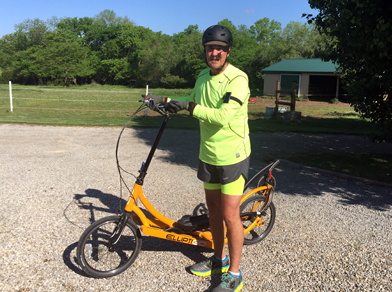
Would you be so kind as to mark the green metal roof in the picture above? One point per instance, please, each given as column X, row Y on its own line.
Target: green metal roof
column 301, row 66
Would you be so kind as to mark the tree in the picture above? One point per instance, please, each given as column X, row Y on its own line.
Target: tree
column 29, row 65
column 192, row 29
column 80, row 26
column 264, row 30
column 31, row 33
column 113, row 50
column 300, row 40
column 7, row 51
column 65, row 59
column 109, row 18
column 188, row 49
column 362, row 34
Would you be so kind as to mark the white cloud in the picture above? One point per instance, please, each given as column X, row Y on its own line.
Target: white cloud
column 249, row 11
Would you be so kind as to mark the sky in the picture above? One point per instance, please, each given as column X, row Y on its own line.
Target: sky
column 167, row 16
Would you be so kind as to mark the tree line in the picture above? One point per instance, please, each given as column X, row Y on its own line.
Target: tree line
column 107, row 49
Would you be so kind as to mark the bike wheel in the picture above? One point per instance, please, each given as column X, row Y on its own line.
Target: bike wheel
column 93, row 251
column 264, row 221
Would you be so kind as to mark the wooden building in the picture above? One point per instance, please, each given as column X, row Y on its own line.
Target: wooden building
column 315, row 78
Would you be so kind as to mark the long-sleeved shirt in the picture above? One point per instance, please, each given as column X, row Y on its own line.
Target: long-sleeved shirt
column 222, row 109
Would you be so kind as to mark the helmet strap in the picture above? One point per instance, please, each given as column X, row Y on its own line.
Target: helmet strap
column 218, row 70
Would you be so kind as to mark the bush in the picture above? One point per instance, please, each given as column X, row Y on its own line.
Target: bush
column 302, row 98
column 172, row 81
column 6, row 75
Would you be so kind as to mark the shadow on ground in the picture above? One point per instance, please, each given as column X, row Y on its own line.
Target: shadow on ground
column 268, row 147
column 109, row 203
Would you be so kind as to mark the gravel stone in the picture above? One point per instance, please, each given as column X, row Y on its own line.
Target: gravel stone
column 331, row 233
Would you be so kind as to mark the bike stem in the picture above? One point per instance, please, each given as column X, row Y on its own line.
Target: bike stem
column 145, row 165
column 270, row 166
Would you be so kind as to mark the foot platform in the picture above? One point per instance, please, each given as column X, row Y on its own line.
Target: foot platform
column 193, row 223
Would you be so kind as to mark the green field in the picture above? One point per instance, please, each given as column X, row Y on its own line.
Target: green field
column 108, row 106
column 96, row 105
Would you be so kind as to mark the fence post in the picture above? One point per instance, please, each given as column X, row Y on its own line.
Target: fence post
column 293, row 95
column 146, row 110
column 11, row 106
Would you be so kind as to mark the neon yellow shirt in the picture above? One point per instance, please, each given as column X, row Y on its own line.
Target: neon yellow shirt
column 222, row 109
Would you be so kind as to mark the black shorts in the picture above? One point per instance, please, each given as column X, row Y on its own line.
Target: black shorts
column 222, row 174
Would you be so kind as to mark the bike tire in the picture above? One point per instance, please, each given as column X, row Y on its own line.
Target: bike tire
column 93, row 253
column 260, row 231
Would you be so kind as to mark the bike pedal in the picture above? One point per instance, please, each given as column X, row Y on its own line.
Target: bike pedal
column 193, row 223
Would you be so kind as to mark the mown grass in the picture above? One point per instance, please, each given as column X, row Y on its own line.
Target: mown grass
column 97, row 105
column 78, row 106
column 109, row 106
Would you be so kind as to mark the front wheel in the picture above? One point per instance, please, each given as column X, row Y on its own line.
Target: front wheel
column 262, row 221
column 101, row 259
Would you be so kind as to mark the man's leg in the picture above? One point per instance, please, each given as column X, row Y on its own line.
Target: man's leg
column 225, row 210
column 235, row 230
column 213, row 265
column 217, row 227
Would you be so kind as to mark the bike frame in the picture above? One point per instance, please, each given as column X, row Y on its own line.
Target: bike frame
column 165, row 228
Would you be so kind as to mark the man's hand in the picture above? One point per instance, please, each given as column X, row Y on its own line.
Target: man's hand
column 174, row 106
column 157, row 99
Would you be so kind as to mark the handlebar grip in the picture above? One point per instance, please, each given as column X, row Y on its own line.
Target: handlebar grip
column 150, row 104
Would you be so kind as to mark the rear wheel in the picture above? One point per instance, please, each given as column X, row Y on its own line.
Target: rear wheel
column 98, row 257
column 264, row 221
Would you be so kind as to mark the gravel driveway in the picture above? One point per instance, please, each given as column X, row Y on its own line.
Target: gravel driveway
column 331, row 234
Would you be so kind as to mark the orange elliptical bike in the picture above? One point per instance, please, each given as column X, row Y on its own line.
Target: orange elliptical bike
column 110, row 245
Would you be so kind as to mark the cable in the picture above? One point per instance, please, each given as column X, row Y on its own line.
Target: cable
column 119, row 168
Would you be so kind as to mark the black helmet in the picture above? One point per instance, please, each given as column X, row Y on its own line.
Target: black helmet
column 217, row 35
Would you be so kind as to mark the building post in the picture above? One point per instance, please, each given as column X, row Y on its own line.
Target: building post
column 277, row 97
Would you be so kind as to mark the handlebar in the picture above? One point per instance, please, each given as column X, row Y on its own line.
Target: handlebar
column 156, row 108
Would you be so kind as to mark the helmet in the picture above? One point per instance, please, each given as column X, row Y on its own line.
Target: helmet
column 217, row 35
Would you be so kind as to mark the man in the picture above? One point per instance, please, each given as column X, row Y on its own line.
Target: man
column 219, row 101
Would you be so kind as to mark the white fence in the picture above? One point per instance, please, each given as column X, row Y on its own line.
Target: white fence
column 66, row 100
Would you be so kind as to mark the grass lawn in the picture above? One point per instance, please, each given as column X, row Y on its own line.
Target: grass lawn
column 97, row 105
